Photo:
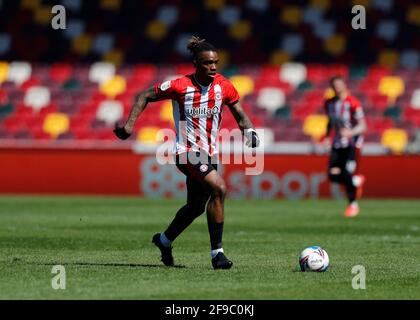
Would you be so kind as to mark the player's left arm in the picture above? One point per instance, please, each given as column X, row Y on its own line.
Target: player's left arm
column 360, row 128
column 245, row 124
column 361, row 125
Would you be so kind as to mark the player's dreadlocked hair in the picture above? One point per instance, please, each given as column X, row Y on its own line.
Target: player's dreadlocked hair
column 197, row 45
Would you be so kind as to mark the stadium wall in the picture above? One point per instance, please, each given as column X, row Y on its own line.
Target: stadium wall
column 93, row 171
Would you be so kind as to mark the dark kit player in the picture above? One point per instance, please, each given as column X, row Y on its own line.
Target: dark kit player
column 347, row 123
column 198, row 100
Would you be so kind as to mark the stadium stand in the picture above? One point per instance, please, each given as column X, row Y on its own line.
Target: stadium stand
column 282, row 75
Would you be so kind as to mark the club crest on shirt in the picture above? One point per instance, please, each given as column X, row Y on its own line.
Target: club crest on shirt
column 165, row 85
column 204, row 168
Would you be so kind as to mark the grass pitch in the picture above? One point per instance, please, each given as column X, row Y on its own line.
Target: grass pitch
column 105, row 246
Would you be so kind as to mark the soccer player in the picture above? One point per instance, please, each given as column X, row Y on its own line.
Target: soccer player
column 197, row 100
column 347, row 124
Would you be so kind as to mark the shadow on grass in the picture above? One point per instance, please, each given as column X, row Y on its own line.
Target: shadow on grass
column 104, row 264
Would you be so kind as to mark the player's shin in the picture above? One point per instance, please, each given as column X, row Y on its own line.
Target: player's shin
column 184, row 217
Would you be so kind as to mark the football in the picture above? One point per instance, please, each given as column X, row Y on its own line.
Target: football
column 314, row 258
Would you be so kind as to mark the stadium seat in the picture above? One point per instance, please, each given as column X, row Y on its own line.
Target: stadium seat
column 315, row 126
column 113, row 5
column 387, row 29
column 392, row 87
column 293, row 44
column 82, row 44
column 110, row 111
column 258, row 5
column 357, row 72
column 19, row 72
column 269, row 74
column 291, row 15
column 168, row 15
column 410, row 59
column 293, row 73
column 5, row 43
column 271, row 98
column 103, row 43
column 187, row 68
column 324, row 29
column 156, row 30
column 266, row 135
column 37, row 98
column 30, row 4
column 149, row 135
column 60, row 72
column 323, row 5
column 279, row 57
column 413, row 15
column 335, row 45
column 43, row 15
column 388, row 58
column 75, row 28
column 240, row 30
column 316, row 74
column 393, row 112
column 415, row 99
column 114, row 56
column 229, row 15
column 379, row 124
column 395, row 140
column 73, row 5
column 166, row 113
column 312, row 15
column 31, row 82
column 214, row 4
column 4, row 98
column 6, row 108
column 243, row 84
column 376, row 72
column 383, row 5
column 113, row 86
column 379, row 101
column 4, row 71
column 100, row 72
column 56, row 124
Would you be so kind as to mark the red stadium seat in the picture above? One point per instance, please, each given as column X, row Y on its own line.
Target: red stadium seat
column 60, row 72
column 378, row 101
column 31, row 82
column 378, row 125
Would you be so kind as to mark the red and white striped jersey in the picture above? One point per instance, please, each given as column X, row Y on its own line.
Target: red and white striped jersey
column 197, row 110
column 344, row 114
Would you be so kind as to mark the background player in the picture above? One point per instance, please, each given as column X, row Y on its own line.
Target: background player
column 347, row 123
column 197, row 106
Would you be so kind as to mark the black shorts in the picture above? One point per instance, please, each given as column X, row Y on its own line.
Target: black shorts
column 344, row 158
column 196, row 165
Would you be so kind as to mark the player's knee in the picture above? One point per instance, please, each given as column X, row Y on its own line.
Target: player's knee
column 334, row 174
column 220, row 190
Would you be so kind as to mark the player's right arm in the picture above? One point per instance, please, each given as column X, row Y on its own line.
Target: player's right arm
column 162, row 91
column 140, row 103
